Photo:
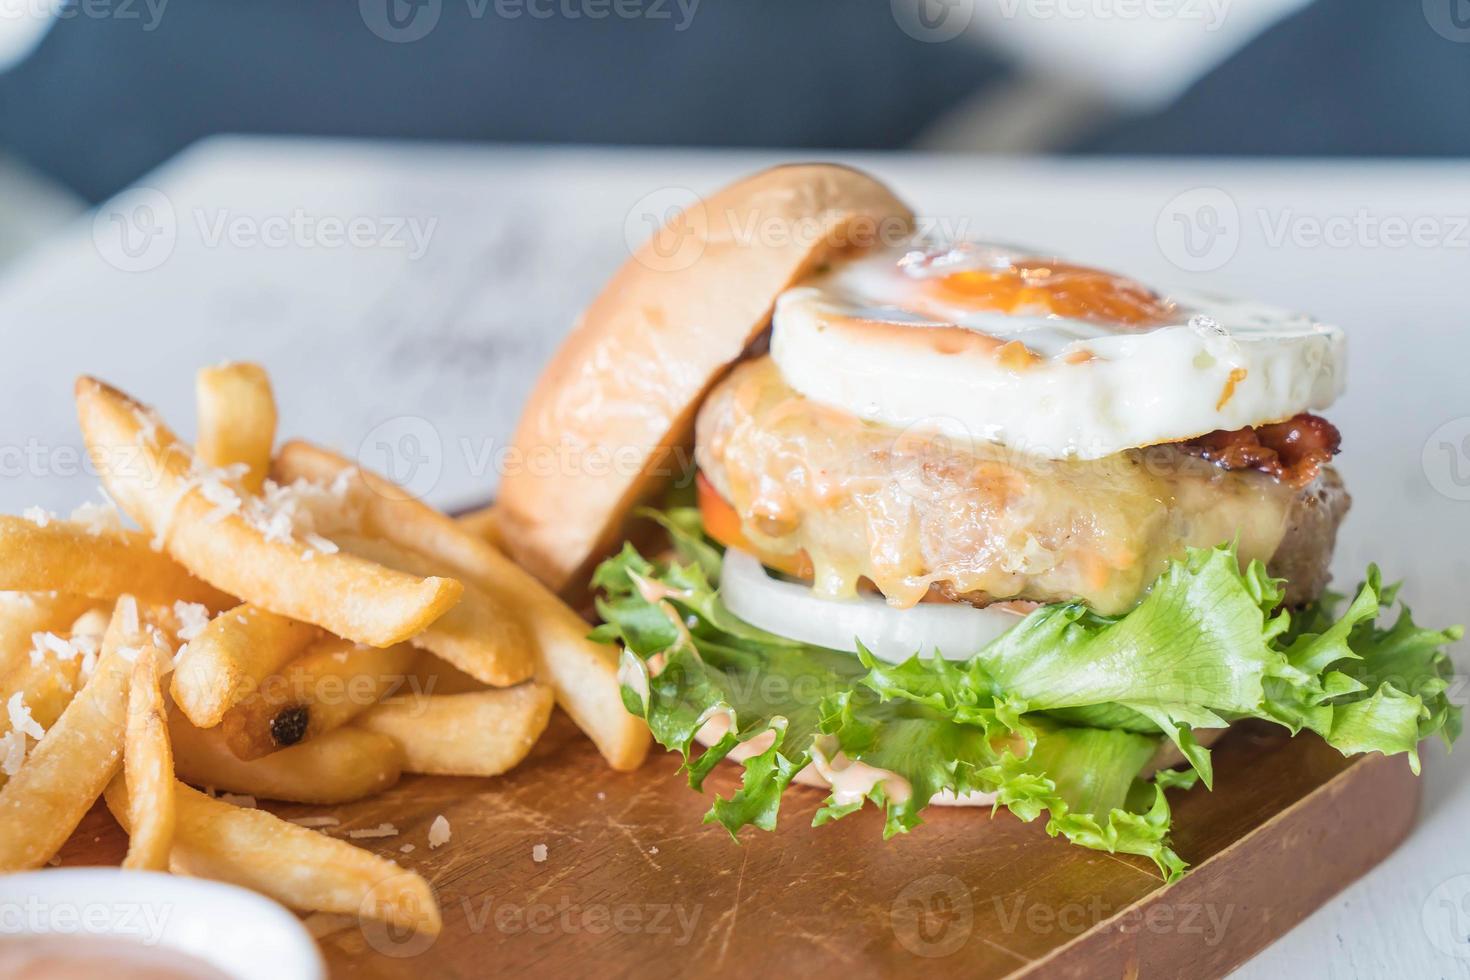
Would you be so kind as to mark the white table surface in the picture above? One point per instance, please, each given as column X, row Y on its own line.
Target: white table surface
column 432, row 349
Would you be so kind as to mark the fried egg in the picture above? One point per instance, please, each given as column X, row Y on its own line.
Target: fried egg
column 1055, row 360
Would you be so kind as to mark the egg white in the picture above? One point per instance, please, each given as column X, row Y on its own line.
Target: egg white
column 1096, row 389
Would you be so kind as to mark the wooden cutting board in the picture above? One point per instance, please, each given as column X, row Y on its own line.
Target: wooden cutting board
column 633, row 884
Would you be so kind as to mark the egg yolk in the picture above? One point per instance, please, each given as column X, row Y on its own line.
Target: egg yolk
column 1038, row 287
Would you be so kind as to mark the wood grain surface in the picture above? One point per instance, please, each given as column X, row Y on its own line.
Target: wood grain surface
column 632, row 883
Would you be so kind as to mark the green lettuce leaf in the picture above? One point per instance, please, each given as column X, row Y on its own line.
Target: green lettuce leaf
column 1060, row 716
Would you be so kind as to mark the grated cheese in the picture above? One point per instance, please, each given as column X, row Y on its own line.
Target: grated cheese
column 193, row 617
column 315, row 822
column 127, row 608
column 438, row 832
column 20, row 717
column 381, row 830
column 38, row 516
column 98, row 518
column 12, row 752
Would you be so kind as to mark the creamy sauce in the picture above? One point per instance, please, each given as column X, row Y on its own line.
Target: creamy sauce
column 914, row 510
column 852, row 780
column 87, row 957
column 717, row 724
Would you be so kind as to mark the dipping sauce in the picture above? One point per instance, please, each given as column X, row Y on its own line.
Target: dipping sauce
column 88, row 957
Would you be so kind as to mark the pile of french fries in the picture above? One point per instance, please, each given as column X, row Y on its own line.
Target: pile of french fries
column 281, row 624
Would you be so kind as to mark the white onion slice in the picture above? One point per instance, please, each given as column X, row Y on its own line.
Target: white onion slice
column 957, row 631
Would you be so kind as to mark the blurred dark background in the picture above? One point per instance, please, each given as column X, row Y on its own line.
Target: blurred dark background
column 97, row 93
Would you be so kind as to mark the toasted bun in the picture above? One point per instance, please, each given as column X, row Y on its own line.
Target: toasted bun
column 610, row 422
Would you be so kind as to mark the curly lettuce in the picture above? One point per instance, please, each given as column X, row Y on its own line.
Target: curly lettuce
column 1060, row 716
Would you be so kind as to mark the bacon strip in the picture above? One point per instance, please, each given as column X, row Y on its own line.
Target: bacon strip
column 1293, row 451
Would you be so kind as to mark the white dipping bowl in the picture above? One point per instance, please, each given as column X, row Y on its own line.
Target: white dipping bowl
column 239, row 933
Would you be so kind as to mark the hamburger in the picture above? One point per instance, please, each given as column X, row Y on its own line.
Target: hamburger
column 932, row 522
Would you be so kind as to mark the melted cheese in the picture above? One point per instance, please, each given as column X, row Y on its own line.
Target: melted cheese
column 909, row 510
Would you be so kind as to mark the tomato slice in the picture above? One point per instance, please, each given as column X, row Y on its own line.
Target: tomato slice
column 722, row 523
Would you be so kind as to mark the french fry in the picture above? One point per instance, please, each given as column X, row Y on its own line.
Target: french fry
column 584, row 674
column 46, row 684
column 148, row 768
column 226, row 662
column 299, row 868
column 326, row 687
column 485, row 525
column 72, row 558
column 43, row 803
column 339, row 766
column 484, row 733
column 157, row 481
column 24, row 614
column 237, row 419
column 480, row 635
